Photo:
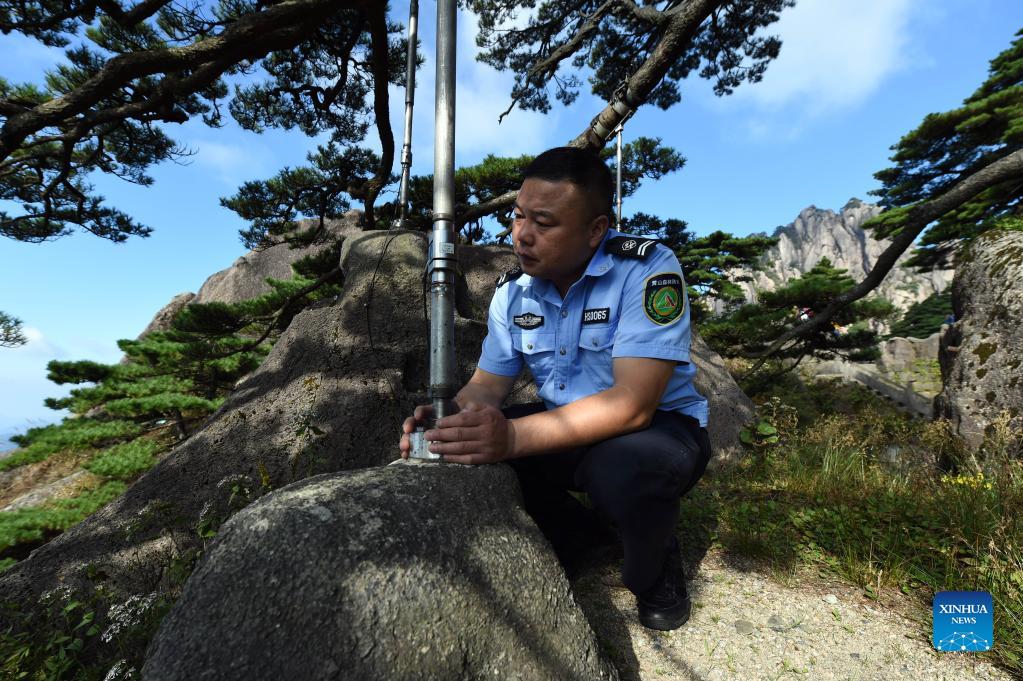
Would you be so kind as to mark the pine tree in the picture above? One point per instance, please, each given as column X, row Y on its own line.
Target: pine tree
column 11, row 335
column 183, row 374
column 950, row 146
column 925, row 317
column 752, row 328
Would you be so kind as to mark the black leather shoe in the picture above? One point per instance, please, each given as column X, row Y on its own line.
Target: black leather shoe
column 666, row 605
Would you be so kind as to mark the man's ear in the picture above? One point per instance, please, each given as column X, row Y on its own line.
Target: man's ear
column 598, row 228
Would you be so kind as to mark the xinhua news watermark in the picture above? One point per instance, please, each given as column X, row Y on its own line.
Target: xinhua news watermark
column 963, row 621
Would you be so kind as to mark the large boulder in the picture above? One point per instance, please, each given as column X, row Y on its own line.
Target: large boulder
column 401, row 572
column 982, row 352
column 730, row 409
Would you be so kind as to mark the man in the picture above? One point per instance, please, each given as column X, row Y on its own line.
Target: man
column 602, row 322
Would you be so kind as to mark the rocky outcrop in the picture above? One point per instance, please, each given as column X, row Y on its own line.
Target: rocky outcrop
column 162, row 320
column 44, row 493
column 903, row 354
column 402, row 572
column 982, row 352
column 817, row 233
column 246, row 277
column 730, row 408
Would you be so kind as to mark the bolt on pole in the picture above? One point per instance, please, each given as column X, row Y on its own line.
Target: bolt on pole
column 442, row 264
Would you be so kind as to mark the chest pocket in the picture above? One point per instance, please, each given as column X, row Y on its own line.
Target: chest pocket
column 537, row 348
column 595, row 357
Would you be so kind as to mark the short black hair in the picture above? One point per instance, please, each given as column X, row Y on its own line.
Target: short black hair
column 580, row 167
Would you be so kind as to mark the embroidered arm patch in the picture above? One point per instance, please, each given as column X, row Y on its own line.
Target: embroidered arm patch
column 664, row 298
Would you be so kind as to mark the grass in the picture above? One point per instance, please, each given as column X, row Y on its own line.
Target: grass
column 867, row 497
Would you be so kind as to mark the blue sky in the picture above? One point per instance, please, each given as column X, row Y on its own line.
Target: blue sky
column 853, row 77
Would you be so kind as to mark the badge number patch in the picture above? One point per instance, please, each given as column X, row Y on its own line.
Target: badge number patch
column 528, row 320
column 597, row 315
column 663, row 298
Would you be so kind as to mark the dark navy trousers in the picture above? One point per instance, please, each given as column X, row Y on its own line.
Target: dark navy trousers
column 634, row 481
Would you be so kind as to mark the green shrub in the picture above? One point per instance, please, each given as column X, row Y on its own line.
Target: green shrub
column 72, row 434
column 125, row 461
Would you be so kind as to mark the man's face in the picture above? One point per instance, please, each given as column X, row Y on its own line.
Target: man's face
column 556, row 230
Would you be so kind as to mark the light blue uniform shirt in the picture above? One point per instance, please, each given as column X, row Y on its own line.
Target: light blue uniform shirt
column 610, row 312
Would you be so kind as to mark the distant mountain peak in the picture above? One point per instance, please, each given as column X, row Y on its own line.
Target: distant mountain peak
column 822, row 233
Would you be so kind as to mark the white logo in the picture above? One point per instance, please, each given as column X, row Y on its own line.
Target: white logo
column 629, row 245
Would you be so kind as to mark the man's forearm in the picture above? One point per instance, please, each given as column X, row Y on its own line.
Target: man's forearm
column 600, row 416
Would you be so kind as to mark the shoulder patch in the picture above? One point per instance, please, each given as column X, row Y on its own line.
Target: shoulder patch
column 511, row 275
column 631, row 246
column 664, row 298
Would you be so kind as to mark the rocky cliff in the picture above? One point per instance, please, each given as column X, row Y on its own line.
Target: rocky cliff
column 818, row 233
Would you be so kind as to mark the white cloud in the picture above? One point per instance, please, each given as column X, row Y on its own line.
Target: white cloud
column 835, row 53
column 231, row 163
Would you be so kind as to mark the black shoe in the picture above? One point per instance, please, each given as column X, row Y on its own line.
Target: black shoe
column 666, row 605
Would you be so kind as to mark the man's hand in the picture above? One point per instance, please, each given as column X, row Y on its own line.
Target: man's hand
column 422, row 414
column 477, row 434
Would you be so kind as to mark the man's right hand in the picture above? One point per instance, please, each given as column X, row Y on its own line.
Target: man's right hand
column 420, row 416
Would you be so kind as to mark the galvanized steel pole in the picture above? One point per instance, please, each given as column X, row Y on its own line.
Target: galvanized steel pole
column 410, row 96
column 442, row 264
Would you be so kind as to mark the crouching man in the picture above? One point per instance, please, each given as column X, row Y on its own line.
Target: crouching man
column 602, row 322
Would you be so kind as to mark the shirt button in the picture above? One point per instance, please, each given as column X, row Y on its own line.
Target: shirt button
column 561, row 386
column 563, row 351
column 594, row 340
column 529, row 346
column 564, row 313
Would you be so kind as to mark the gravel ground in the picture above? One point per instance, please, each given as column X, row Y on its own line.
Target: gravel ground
column 746, row 625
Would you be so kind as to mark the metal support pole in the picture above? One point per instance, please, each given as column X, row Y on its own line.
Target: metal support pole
column 442, row 264
column 410, row 96
column 618, row 182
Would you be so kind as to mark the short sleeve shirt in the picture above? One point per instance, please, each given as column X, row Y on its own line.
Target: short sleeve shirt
column 621, row 307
